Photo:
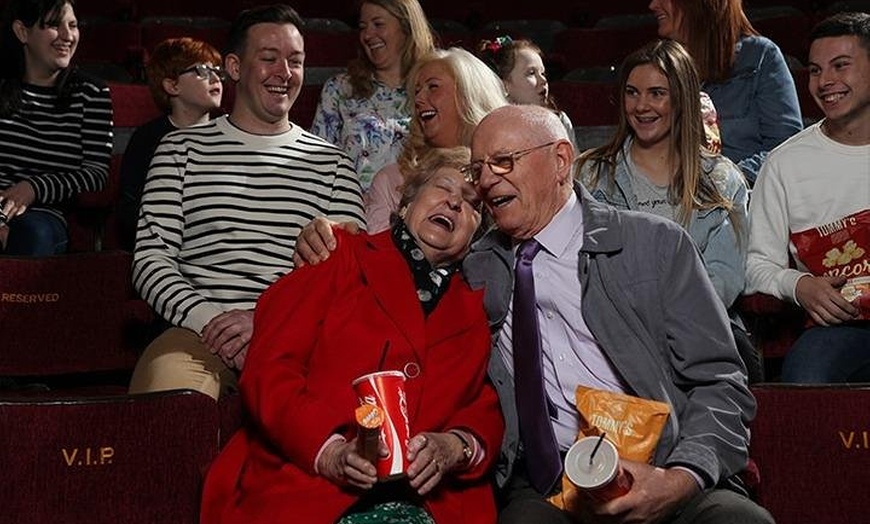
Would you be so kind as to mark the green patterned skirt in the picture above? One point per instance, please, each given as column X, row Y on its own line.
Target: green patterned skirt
column 389, row 513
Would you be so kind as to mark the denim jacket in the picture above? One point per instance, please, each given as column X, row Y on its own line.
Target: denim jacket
column 757, row 105
column 711, row 229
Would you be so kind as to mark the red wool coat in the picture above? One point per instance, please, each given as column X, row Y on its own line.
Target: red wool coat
column 315, row 331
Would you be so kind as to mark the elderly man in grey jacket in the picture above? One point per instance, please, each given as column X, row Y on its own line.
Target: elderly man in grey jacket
column 624, row 304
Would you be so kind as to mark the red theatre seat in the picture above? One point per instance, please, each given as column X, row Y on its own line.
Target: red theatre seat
column 812, row 447
column 586, row 103
column 137, row 459
column 68, row 314
column 302, row 112
column 330, row 48
column 773, row 324
column 132, row 105
column 90, row 221
column 206, row 28
column 584, row 47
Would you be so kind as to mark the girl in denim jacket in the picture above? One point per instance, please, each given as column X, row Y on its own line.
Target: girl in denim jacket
column 658, row 162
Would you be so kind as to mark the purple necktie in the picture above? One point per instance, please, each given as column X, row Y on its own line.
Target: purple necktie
column 541, row 451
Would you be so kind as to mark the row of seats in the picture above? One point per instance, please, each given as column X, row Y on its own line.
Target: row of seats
column 475, row 13
column 95, row 454
column 141, row 459
column 118, row 50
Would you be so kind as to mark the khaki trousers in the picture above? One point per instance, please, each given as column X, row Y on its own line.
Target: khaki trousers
column 178, row 360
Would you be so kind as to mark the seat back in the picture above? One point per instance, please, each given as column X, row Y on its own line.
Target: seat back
column 132, row 459
column 584, row 47
column 812, row 447
column 68, row 314
column 587, row 103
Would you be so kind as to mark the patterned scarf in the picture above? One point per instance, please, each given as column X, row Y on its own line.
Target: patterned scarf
column 431, row 282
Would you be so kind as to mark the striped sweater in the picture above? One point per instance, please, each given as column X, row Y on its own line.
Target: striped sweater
column 61, row 152
column 221, row 211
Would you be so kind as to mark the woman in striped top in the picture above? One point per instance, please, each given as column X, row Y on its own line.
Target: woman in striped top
column 55, row 126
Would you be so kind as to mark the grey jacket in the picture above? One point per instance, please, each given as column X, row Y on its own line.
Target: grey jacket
column 650, row 305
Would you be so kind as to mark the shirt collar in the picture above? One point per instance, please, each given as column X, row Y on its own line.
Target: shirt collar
column 566, row 226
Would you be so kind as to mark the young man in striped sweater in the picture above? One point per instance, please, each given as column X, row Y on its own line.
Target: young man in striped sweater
column 222, row 206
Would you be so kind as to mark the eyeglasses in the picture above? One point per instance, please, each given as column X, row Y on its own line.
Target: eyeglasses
column 204, row 71
column 500, row 164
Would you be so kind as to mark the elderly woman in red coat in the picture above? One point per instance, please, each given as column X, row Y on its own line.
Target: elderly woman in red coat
column 322, row 326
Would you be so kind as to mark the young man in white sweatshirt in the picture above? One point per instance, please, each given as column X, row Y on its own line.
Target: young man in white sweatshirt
column 816, row 183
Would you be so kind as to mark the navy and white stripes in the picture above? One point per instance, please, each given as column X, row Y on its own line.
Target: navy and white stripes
column 61, row 151
column 221, row 212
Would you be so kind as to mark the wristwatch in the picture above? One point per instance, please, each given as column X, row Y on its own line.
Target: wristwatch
column 467, row 451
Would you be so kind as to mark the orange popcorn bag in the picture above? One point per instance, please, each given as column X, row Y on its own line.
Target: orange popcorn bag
column 634, row 426
column 841, row 248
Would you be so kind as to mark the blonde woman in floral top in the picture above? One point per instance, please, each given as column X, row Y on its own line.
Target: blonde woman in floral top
column 365, row 111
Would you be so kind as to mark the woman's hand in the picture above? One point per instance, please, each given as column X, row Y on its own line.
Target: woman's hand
column 342, row 465
column 432, row 455
column 16, row 199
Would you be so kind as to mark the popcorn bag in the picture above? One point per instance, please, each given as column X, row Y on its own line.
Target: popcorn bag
column 841, row 248
column 634, row 426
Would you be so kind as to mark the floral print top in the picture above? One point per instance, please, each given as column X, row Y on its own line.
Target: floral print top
column 371, row 130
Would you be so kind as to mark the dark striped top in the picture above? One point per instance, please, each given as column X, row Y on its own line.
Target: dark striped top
column 60, row 151
column 221, row 211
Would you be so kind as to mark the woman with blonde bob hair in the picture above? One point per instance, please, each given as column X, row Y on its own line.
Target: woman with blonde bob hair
column 453, row 91
column 365, row 110
column 657, row 162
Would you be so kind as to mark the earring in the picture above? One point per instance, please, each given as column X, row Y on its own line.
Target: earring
column 403, row 211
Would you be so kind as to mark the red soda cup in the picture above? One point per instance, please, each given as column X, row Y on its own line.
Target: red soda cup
column 597, row 472
column 386, row 390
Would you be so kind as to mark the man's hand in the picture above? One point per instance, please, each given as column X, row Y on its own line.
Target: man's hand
column 316, row 240
column 341, row 464
column 15, row 199
column 228, row 335
column 821, row 297
column 655, row 495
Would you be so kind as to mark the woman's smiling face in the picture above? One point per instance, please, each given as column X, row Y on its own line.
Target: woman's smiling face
column 648, row 105
column 435, row 105
column 444, row 216
column 49, row 49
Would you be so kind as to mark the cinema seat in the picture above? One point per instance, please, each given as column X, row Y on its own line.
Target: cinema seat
column 69, row 314
column 584, row 47
column 812, row 447
column 330, row 48
column 137, row 459
column 156, row 29
column 91, row 220
column 587, row 103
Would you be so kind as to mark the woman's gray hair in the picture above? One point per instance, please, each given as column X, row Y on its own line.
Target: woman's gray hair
column 431, row 161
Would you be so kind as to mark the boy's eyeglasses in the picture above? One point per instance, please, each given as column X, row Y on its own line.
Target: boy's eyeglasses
column 500, row 164
column 204, row 71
